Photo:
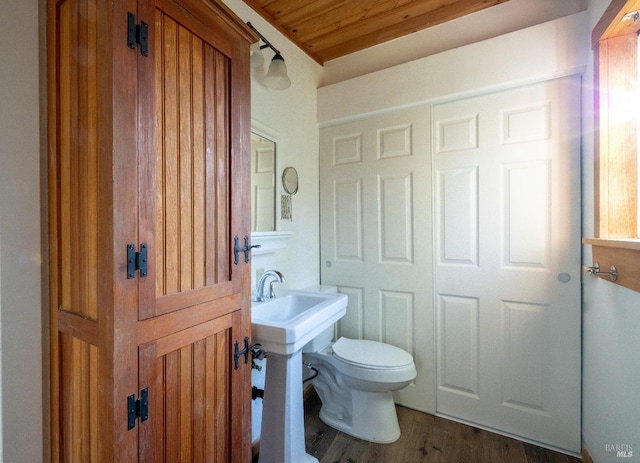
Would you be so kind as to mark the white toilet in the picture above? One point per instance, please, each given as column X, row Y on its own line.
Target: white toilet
column 355, row 382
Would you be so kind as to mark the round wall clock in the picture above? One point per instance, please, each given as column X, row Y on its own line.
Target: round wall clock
column 290, row 180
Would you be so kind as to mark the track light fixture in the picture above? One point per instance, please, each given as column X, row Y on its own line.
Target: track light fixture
column 276, row 76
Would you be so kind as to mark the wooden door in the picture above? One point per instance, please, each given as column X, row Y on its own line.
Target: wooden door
column 194, row 198
column 507, row 191
column 148, row 149
column 92, row 217
column 376, row 235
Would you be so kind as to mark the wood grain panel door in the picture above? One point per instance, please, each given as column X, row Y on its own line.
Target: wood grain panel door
column 148, row 148
column 194, row 198
column 92, row 217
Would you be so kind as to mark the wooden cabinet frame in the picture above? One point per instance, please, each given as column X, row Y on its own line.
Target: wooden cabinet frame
column 615, row 46
column 112, row 335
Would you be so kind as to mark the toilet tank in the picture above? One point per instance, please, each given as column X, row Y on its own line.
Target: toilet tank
column 326, row 337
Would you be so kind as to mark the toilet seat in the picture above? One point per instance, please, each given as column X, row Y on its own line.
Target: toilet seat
column 371, row 354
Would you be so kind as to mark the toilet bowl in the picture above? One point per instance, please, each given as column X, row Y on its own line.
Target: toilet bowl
column 355, row 382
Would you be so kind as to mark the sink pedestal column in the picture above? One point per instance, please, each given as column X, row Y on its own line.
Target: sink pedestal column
column 282, row 432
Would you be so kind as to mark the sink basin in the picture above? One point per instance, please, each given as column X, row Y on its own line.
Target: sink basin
column 283, row 325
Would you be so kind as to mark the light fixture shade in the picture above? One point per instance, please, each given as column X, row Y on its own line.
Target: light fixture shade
column 277, row 77
column 257, row 58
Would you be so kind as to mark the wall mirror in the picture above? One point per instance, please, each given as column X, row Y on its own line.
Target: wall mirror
column 263, row 179
column 264, row 146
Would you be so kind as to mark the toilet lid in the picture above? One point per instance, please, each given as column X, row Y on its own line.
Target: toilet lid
column 371, row 354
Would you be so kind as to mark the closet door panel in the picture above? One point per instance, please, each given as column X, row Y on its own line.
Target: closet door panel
column 88, row 220
column 189, row 374
column 194, row 194
column 376, row 237
column 507, row 273
column 192, row 169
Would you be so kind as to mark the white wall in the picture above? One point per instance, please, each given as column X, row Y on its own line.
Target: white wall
column 291, row 114
column 491, row 22
column 553, row 49
column 21, row 310
column 610, row 325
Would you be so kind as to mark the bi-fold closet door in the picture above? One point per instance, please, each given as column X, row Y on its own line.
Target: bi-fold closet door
column 376, row 241
column 507, row 266
column 472, row 262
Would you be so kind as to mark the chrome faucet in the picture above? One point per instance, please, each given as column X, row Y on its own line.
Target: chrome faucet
column 279, row 278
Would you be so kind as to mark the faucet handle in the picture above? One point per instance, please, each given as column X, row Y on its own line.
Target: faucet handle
column 262, row 283
column 272, row 293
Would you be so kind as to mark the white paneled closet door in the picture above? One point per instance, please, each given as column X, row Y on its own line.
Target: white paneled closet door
column 507, row 254
column 376, row 235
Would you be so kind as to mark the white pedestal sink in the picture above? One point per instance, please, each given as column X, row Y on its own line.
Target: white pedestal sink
column 283, row 326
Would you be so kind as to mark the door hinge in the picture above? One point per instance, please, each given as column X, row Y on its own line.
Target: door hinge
column 136, row 260
column 237, row 353
column 137, row 408
column 255, row 350
column 137, row 34
column 246, row 249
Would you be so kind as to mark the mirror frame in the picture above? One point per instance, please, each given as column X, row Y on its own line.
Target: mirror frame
column 270, row 241
column 261, row 130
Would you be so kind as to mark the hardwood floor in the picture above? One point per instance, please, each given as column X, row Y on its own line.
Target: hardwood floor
column 425, row 439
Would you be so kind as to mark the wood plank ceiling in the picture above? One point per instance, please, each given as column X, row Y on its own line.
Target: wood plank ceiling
column 329, row 29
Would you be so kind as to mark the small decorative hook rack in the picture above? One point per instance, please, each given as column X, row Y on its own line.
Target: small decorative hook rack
column 595, row 270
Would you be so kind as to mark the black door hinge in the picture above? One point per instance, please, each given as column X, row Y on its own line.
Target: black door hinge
column 137, row 408
column 237, row 353
column 255, row 350
column 137, row 34
column 246, row 249
column 136, row 260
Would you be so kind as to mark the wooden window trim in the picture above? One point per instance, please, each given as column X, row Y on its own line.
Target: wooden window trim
column 615, row 46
